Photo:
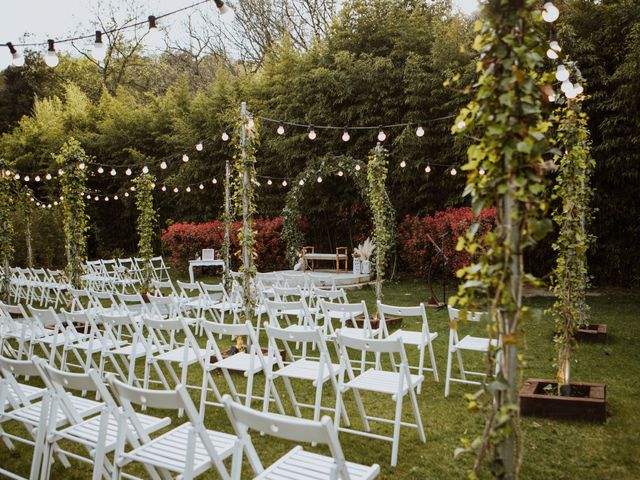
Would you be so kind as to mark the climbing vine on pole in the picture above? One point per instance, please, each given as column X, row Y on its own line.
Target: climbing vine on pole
column 506, row 168
column 146, row 225
column 570, row 278
column 72, row 161
column 377, row 195
column 7, row 194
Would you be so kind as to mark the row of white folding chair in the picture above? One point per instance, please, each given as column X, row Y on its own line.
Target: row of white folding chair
column 37, row 284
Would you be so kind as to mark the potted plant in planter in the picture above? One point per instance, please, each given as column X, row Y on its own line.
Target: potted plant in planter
column 563, row 398
column 362, row 253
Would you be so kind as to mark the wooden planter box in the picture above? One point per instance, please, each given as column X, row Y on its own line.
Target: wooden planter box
column 596, row 332
column 588, row 401
column 392, row 322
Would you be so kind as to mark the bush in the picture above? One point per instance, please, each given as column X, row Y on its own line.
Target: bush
column 417, row 251
column 184, row 241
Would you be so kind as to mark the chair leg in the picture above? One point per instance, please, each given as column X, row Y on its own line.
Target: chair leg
column 432, row 357
column 448, row 375
column 396, row 431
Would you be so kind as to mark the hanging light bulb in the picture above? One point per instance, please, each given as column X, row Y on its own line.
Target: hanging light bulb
column 552, row 97
column 115, row 197
column 284, row 183
column 454, row 171
column 55, row 204
column 403, row 164
column 17, row 59
column 60, row 172
column 127, row 172
column 461, row 124
column 98, row 52
column 126, row 194
column 145, row 169
column 199, row 146
column 48, row 176
column 301, row 182
column 106, row 199
column 550, row 13
column 345, row 136
column 225, row 137
column 481, row 171
column 26, row 178
column 319, row 180
column 153, row 186
column 51, row 58
column 214, row 181
column 280, row 129
column 37, row 179
column 49, row 205
column 17, row 176
column 419, row 131
column 132, row 188
column 153, row 27
column 164, row 188
column 163, row 165
column 185, row 157
column 312, row 133
column 381, row 135
column 81, row 166
column 201, row 187
column 358, row 167
column 222, row 8
column 340, row 173
column 269, row 182
column 562, row 73
column 96, row 198
column 427, row 169
column 552, row 54
column 113, row 172
column 175, row 190
column 100, row 170
column 188, row 189
column 88, row 197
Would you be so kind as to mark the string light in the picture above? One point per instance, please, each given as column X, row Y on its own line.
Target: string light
column 48, row 176
column 214, row 181
column 188, row 189
column 222, row 8
column 553, row 44
column 164, row 189
column 403, row 164
column 225, row 137
column 17, row 59
column 51, row 58
column 113, row 172
column 454, row 171
column 81, row 166
column 163, row 165
column 319, row 180
column 461, row 124
column 153, row 27
column 301, row 182
column 312, row 133
column 106, row 199
column 98, row 52
column 17, row 176
column 100, row 170
column 132, row 188
column 185, row 157
column 26, row 178
column 427, row 169
column 562, row 73
column 284, row 183
column 145, row 169
column 115, row 197
column 60, row 172
column 128, row 172
column 481, row 171
column 199, row 146
column 381, row 135
column 358, row 167
column 175, row 190
column 251, row 124
column 269, row 182
column 201, row 187
column 340, row 173
column 550, row 13
column 126, row 194
column 37, row 179
column 345, row 136
column 419, row 131
column 280, row 129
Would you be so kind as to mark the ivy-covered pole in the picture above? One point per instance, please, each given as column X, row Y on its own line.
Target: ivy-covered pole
column 506, row 169
column 244, row 194
column 146, row 225
column 570, row 278
column 6, row 229
column 226, row 244
column 377, row 178
column 28, row 219
column 72, row 161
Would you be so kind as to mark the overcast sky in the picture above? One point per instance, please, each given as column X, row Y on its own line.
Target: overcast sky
column 43, row 19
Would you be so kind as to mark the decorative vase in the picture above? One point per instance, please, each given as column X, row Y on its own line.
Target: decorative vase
column 357, row 266
column 365, row 267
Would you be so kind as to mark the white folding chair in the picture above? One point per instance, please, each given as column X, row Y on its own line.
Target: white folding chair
column 468, row 343
column 186, row 451
column 397, row 384
column 422, row 339
column 297, row 464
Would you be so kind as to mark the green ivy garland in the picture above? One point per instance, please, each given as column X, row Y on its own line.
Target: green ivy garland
column 146, row 225
column 321, row 167
column 227, row 218
column 244, row 198
column 570, row 278
column 505, row 170
column 27, row 209
column 72, row 160
column 7, row 195
column 378, row 202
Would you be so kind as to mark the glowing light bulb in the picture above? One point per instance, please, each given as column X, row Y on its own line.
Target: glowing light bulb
column 145, row 169
column 37, row 179
column 301, row 182
column 381, row 135
column 550, row 13
column 100, row 170
column 454, row 171
column 164, row 189
column 345, row 136
column 99, row 51
column 26, row 178
column 358, row 167
column 562, row 73
column 88, row 197
column 49, row 205
column 81, row 166
column 199, row 146
column 106, row 199
column 48, row 176
column 284, row 183
column 55, row 204
column 319, row 180
column 312, row 134
column 96, row 198
column 419, row 131
column 175, row 190
column 188, row 189
column 115, row 197
column 280, row 129
column 132, row 188
column 340, row 173
column 163, row 165
column 17, row 176
column 128, row 172
column 269, row 182
column 427, row 169
column 572, row 93
column 126, row 194
column 481, row 171
column 552, row 97
column 403, row 164
column 225, row 137
column 214, row 181
column 461, row 124
column 185, row 157
column 201, row 187
column 51, row 58
column 60, row 172
column 113, row 172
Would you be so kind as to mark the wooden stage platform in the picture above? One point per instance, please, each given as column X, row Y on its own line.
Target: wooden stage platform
column 342, row 279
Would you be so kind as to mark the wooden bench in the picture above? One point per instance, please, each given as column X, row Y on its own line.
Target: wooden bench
column 309, row 254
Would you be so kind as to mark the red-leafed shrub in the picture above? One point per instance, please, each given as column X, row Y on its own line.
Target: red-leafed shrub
column 417, row 251
column 185, row 241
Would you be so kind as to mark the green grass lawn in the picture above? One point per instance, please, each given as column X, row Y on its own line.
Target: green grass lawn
column 553, row 449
